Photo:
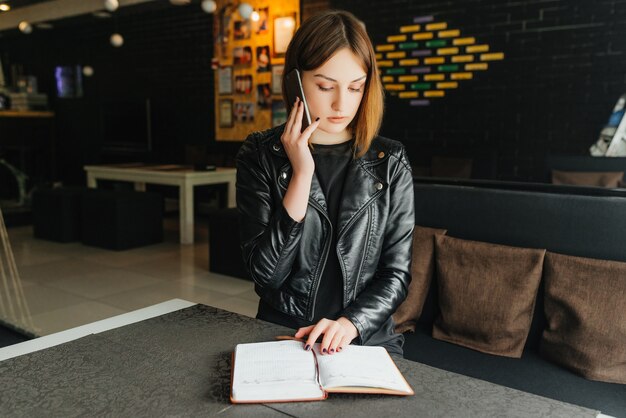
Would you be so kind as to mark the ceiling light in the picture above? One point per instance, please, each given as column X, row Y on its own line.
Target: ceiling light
column 245, row 10
column 25, row 27
column 111, row 5
column 4, row 7
column 117, row 40
column 255, row 16
column 209, row 6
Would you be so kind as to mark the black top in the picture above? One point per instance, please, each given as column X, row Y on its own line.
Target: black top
column 331, row 163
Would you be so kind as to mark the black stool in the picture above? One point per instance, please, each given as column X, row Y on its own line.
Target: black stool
column 224, row 249
column 119, row 220
column 56, row 214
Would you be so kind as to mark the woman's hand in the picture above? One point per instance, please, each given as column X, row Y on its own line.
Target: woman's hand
column 296, row 144
column 337, row 334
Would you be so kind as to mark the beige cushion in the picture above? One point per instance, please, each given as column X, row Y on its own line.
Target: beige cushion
column 487, row 294
column 585, row 304
column 422, row 268
column 610, row 179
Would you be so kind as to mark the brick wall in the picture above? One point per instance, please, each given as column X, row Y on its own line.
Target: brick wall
column 564, row 68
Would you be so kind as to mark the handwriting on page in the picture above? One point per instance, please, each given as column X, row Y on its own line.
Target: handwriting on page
column 285, row 361
column 360, row 366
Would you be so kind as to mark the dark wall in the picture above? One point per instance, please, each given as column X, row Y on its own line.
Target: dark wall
column 564, row 68
column 166, row 57
column 562, row 73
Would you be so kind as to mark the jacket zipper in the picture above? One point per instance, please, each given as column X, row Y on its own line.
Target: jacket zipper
column 326, row 251
column 367, row 238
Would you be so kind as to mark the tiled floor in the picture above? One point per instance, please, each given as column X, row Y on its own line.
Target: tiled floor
column 65, row 285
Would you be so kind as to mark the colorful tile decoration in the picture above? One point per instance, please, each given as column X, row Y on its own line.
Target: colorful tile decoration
column 427, row 58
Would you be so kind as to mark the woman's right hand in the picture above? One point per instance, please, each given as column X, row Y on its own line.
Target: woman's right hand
column 296, row 143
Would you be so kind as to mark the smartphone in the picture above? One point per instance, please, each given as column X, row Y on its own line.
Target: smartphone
column 293, row 86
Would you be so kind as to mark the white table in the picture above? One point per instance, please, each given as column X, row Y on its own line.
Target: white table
column 173, row 175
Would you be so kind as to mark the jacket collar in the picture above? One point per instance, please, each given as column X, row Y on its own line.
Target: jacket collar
column 362, row 184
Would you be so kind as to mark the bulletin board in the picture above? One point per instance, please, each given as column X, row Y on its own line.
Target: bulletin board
column 249, row 56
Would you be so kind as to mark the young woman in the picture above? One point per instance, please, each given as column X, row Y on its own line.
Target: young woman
column 326, row 228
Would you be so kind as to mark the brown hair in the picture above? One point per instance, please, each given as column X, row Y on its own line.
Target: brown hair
column 316, row 41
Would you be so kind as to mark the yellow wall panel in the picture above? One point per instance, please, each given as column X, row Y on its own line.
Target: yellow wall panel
column 477, row 48
column 385, row 63
column 398, row 54
column 434, row 77
column 447, row 51
column 434, row 60
column 396, row 38
column 477, row 66
column 408, row 78
column 464, row 41
column 496, row 56
column 463, row 58
column 408, row 94
column 434, row 93
column 395, row 87
column 412, row 61
column 224, row 53
column 422, row 36
column 383, row 48
column 411, row 28
column 461, row 76
column 379, row 56
column 449, row 33
column 448, row 85
column 388, row 79
column 437, row 26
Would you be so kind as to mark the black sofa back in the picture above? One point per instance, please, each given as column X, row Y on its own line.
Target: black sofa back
column 542, row 217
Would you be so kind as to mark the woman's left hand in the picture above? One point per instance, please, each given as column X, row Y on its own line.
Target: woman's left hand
column 337, row 334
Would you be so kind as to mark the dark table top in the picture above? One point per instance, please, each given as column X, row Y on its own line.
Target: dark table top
column 179, row 364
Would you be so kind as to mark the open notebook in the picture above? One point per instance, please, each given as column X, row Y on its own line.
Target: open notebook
column 282, row 371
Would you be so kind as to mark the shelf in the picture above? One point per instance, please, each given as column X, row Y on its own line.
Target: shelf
column 25, row 114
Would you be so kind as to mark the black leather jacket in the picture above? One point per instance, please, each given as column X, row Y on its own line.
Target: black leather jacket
column 286, row 258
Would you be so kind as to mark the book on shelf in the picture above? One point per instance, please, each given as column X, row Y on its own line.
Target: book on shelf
column 282, row 371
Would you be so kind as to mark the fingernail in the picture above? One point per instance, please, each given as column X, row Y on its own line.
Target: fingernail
column 323, row 350
column 332, row 350
column 307, row 347
column 317, row 119
column 339, row 349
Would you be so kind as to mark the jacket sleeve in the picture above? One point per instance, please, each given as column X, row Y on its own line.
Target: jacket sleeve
column 269, row 236
column 389, row 287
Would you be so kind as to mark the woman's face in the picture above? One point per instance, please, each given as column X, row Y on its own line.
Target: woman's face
column 334, row 91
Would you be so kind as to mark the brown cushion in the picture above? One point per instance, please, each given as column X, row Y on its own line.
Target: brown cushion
column 422, row 268
column 585, row 304
column 582, row 178
column 487, row 294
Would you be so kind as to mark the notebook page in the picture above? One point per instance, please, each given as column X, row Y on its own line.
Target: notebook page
column 360, row 366
column 278, row 370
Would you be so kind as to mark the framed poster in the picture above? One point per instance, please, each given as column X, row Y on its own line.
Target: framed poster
column 243, row 84
column 225, row 80
column 242, row 56
column 226, row 113
column 244, row 112
column 284, row 28
column 264, row 96
column 261, row 26
column 263, row 64
column 279, row 113
column 277, row 79
column 242, row 29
